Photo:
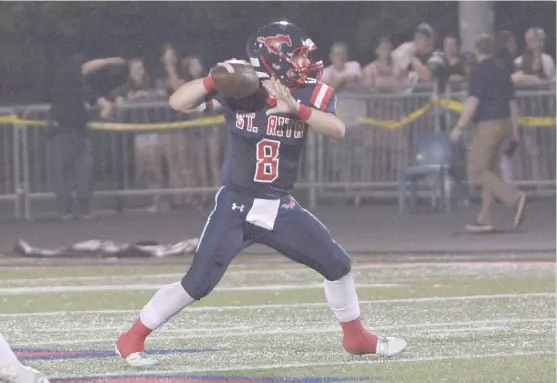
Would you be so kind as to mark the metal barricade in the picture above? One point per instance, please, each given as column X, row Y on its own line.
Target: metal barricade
column 382, row 127
column 128, row 159
column 152, row 153
column 160, row 160
column 10, row 162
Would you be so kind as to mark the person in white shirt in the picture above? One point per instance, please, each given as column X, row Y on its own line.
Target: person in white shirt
column 534, row 65
column 413, row 56
column 533, row 68
column 342, row 72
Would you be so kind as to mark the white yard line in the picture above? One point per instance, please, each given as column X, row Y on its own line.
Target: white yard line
column 293, row 305
column 187, row 334
column 237, row 270
column 178, row 276
column 98, row 288
column 325, row 364
column 199, row 330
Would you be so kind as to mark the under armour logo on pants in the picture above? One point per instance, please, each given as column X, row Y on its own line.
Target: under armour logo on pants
column 236, row 207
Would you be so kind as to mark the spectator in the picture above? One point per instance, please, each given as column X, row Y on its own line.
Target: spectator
column 492, row 105
column 168, row 78
column 534, row 65
column 147, row 149
column 192, row 68
column 69, row 148
column 204, row 161
column 342, row 72
column 413, row 56
column 387, row 156
column 455, row 69
column 139, row 86
column 506, row 49
column 382, row 71
column 173, row 143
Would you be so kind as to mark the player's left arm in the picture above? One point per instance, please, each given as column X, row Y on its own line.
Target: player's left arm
column 325, row 123
column 322, row 121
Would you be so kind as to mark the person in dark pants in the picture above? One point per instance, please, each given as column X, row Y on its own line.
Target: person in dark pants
column 492, row 105
column 69, row 149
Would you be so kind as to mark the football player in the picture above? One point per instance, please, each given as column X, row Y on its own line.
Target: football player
column 267, row 133
column 11, row 369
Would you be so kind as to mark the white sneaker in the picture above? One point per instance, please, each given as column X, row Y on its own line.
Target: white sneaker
column 21, row 375
column 390, row 346
column 139, row 359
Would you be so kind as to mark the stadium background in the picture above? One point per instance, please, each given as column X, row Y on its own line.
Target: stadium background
column 36, row 37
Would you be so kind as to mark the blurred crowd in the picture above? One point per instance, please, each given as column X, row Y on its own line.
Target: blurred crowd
column 420, row 61
column 428, row 58
column 186, row 166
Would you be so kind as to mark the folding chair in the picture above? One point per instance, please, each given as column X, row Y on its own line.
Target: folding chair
column 434, row 158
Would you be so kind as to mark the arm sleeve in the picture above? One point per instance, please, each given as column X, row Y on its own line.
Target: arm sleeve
column 476, row 85
column 510, row 87
column 323, row 98
column 548, row 66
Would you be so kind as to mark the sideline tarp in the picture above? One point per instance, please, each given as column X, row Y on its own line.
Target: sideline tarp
column 107, row 249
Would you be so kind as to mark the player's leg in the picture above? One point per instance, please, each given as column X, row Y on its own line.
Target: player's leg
column 303, row 238
column 222, row 239
column 11, row 369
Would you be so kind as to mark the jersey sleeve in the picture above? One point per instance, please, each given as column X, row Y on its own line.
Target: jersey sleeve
column 323, row 98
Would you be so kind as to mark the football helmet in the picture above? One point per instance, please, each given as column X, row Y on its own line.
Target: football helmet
column 282, row 50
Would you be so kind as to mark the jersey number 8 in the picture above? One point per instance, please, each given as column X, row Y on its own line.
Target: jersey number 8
column 267, row 161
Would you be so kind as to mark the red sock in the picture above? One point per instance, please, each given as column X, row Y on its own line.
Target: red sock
column 139, row 329
column 357, row 339
column 353, row 327
column 133, row 340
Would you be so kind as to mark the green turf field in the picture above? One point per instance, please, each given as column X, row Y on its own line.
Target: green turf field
column 464, row 322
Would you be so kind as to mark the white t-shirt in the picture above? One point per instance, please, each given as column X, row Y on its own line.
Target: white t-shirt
column 350, row 68
column 548, row 65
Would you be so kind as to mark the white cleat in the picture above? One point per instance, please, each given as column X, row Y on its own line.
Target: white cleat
column 21, row 375
column 139, row 359
column 390, row 346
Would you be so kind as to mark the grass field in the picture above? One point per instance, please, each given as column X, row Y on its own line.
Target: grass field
column 464, row 322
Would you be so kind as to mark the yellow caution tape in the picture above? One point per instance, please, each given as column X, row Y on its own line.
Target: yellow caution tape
column 119, row 127
column 538, row 122
column 534, row 122
column 397, row 124
column 455, row 106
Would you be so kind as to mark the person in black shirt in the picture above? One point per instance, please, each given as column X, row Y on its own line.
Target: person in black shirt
column 69, row 151
column 492, row 105
column 506, row 49
column 455, row 69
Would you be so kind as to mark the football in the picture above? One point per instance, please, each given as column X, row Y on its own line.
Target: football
column 235, row 79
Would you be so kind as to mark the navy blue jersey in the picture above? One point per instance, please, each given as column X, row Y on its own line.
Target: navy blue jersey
column 263, row 152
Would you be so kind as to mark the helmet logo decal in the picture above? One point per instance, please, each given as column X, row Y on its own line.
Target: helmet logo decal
column 274, row 43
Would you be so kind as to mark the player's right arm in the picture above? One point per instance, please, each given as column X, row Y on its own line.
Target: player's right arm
column 97, row 64
column 191, row 95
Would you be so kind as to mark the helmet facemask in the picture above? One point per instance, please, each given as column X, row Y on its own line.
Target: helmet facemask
column 300, row 65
